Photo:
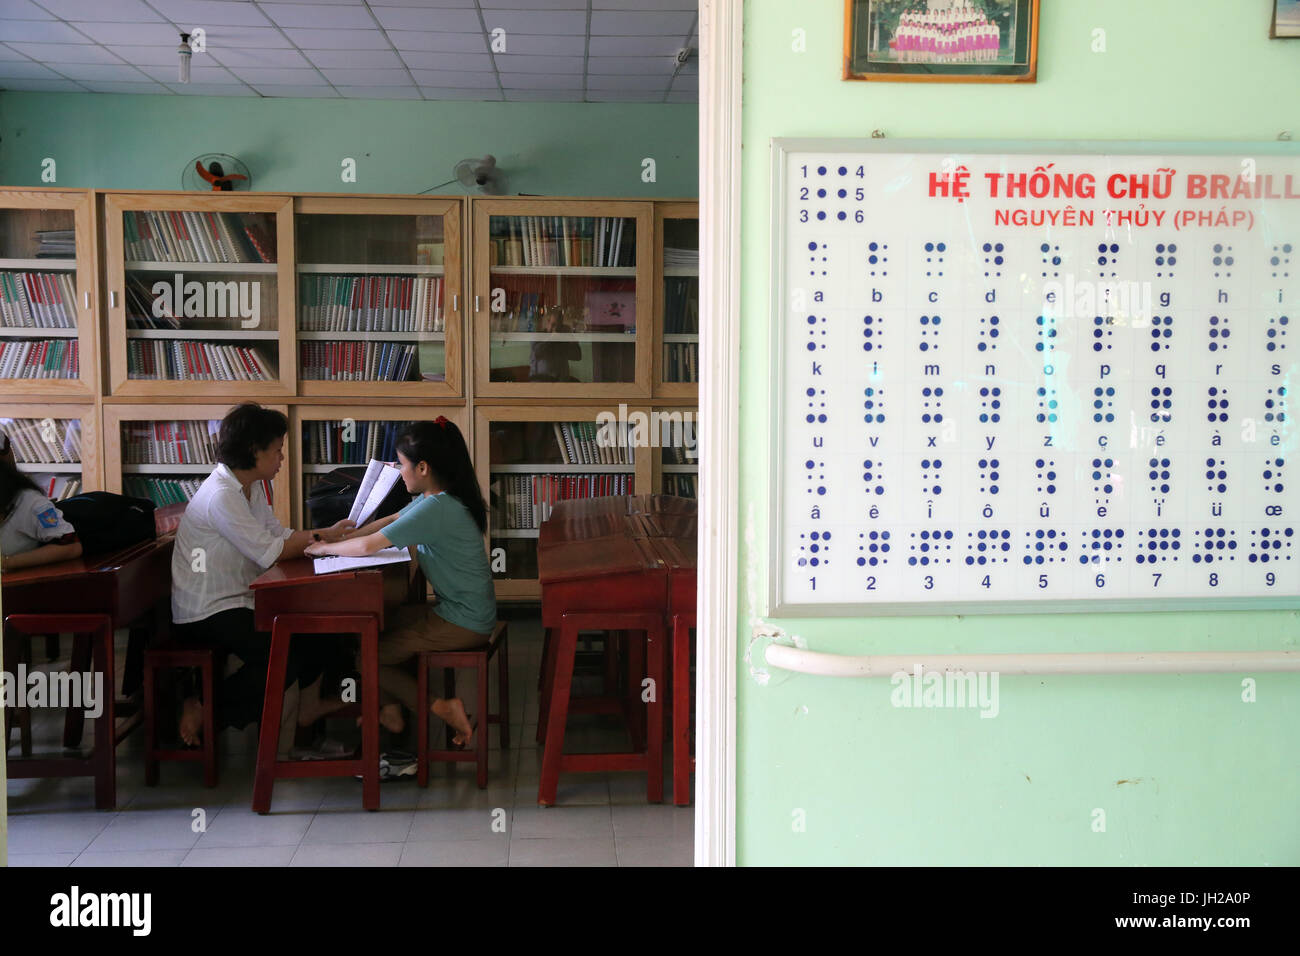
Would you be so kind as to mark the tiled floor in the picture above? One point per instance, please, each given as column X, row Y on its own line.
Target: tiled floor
column 601, row 819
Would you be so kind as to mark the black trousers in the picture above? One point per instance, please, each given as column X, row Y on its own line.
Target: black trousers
column 239, row 696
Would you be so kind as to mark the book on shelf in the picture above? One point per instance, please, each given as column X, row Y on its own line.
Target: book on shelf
column 57, row 487
column 139, row 300
column 683, row 362
column 38, row 300
column 162, row 491
column 675, row 258
column 44, row 358
column 563, row 241
column 686, row 439
column 191, row 442
column 681, row 305
column 35, row 444
column 325, row 442
column 174, row 359
column 347, row 303
column 525, row 501
column 358, row 361
column 55, row 243
column 580, row 444
column 683, row 486
column 158, row 235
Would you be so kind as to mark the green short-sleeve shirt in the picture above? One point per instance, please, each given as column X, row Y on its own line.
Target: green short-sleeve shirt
column 452, row 556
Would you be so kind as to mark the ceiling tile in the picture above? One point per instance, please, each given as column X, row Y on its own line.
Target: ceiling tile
column 131, row 34
column 623, row 96
column 429, row 19
column 27, row 70
column 344, row 77
column 610, row 65
column 439, row 42
column 110, row 86
column 99, row 11
column 274, row 89
column 455, row 79
column 64, row 52
column 686, row 81
column 511, row 63
column 379, row 92
column 492, row 6
column 210, row 89
column 691, row 5
column 545, row 45
column 120, row 72
column 42, row 31
column 23, row 10
column 271, row 59
column 41, row 86
column 682, row 96
column 461, row 4
column 634, row 46
column 571, row 22
column 259, row 76
column 648, row 83
column 199, row 75
column 8, row 54
column 442, row 93
column 642, row 24
column 555, row 96
column 319, row 15
column 226, row 38
column 428, row 60
column 541, row 81
column 210, row 13
column 337, row 39
column 356, row 59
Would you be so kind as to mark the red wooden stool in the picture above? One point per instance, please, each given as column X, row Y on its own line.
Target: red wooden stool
column 478, row 659
column 18, row 651
column 95, row 633
column 683, row 759
column 171, row 657
column 559, row 682
column 269, row 768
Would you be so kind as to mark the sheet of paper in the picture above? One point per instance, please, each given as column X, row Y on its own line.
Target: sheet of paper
column 334, row 563
column 375, row 486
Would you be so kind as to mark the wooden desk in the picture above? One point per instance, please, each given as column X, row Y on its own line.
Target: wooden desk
column 291, row 599
column 92, row 597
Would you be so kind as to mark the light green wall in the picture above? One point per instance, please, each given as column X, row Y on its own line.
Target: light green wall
column 1185, row 772
column 107, row 141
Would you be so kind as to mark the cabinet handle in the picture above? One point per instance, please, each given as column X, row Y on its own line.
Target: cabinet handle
column 476, row 305
column 87, row 299
column 112, row 300
column 455, row 302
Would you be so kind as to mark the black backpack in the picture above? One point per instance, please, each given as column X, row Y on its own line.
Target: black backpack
column 331, row 498
column 108, row 522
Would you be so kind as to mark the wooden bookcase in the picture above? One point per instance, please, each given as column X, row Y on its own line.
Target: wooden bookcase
column 552, row 283
column 305, row 462
column 151, row 242
column 378, row 278
column 514, row 442
column 42, row 446
column 50, row 298
column 677, row 301
column 121, row 457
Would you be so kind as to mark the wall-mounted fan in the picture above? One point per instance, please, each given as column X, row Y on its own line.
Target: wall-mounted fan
column 216, row 172
column 481, row 174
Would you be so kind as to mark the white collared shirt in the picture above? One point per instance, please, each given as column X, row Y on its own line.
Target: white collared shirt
column 224, row 541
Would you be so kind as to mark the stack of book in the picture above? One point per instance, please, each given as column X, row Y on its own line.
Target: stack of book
column 343, row 303
column 525, row 501
column 582, row 443
column 565, row 241
column 681, row 485
column 182, row 236
column 162, row 491
column 46, row 358
column 686, row 450
column 170, row 442
column 157, row 359
column 349, row 442
column 357, row 361
column 682, row 362
column 57, row 487
column 38, row 300
column 56, row 243
column 140, row 305
column 681, row 258
column 44, row 441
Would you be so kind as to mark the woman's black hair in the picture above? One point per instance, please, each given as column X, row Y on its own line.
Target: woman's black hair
column 246, row 430
column 12, row 483
column 442, row 446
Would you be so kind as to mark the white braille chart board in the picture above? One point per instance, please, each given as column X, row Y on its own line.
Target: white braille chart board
column 1034, row 376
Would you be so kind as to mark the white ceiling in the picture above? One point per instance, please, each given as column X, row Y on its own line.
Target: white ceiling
column 565, row 50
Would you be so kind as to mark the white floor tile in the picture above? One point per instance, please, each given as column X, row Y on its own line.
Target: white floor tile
column 654, row 851
column 563, row 852
column 147, row 830
column 240, row 856
column 41, row 859
column 529, row 823
column 459, row 825
column 241, row 827
column 132, row 858
column 359, row 826
column 355, row 854
column 494, row 852
column 56, row 832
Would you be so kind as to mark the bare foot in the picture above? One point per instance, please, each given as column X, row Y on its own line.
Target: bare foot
column 390, row 718
column 453, row 712
column 191, row 721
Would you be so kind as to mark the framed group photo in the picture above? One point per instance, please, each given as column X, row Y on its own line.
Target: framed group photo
column 1286, row 19
column 945, row 41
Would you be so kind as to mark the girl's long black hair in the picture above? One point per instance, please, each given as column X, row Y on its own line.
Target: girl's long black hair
column 12, row 483
column 442, row 446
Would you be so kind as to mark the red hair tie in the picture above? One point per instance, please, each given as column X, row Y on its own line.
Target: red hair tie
column 440, row 421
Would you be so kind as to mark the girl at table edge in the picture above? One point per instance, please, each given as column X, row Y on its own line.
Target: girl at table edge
column 445, row 521
column 228, row 536
column 32, row 529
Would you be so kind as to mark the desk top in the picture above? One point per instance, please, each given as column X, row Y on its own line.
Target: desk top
column 602, row 537
column 300, row 571
column 85, row 565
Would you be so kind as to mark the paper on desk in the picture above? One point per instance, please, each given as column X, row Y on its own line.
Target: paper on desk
column 332, row 563
column 375, row 486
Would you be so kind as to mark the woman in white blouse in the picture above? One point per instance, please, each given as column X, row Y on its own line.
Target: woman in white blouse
column 227, row 537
